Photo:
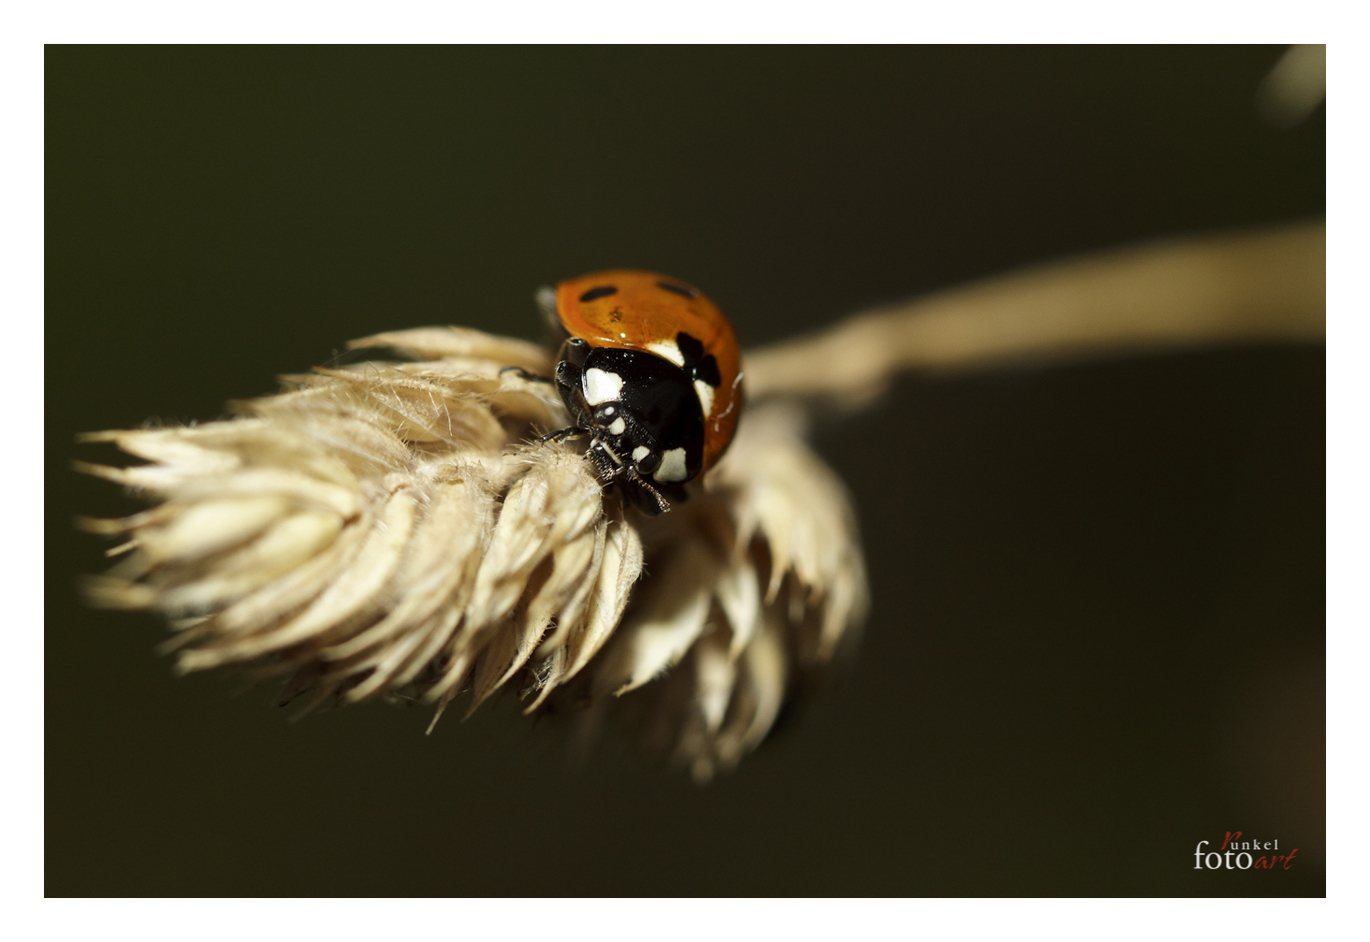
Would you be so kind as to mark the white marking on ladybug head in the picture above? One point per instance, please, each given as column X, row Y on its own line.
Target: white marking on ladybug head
column 668, row 350
column 640, row 452
column 672, row 466
column 618, row 427
column 601, row 386
column 706, row 396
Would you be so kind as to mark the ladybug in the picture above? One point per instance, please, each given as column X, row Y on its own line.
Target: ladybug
column 650, row 373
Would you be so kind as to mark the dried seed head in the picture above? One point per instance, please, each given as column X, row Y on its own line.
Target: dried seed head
column 398, row 528
column 752, row 582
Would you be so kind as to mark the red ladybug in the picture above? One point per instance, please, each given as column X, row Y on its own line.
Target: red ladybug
column 650, row 372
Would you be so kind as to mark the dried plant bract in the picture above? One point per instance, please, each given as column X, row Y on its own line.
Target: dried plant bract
column 399, row 529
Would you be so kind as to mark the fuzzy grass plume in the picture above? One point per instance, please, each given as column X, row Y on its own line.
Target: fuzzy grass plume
column 399, row 529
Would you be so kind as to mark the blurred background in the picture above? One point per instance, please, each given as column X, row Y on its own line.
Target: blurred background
column 1097, row 633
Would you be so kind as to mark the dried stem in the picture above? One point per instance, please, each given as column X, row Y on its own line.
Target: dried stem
column 1258, row 286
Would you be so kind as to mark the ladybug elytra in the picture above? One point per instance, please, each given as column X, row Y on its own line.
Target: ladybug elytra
column 650, row 372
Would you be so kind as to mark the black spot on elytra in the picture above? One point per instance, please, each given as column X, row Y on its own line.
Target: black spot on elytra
column 603, row 291
column 707, row 370
column 690, row 348
column 683, row 290
column 699, row 366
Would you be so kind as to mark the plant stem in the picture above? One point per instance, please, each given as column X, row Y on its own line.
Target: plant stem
column 1264, row 285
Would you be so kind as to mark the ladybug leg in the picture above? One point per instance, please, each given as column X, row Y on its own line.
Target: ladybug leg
column 523, row 374
column 644, row 496
column 565, row 434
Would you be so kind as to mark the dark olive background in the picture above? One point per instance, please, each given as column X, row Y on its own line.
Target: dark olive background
column 1097, row 631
